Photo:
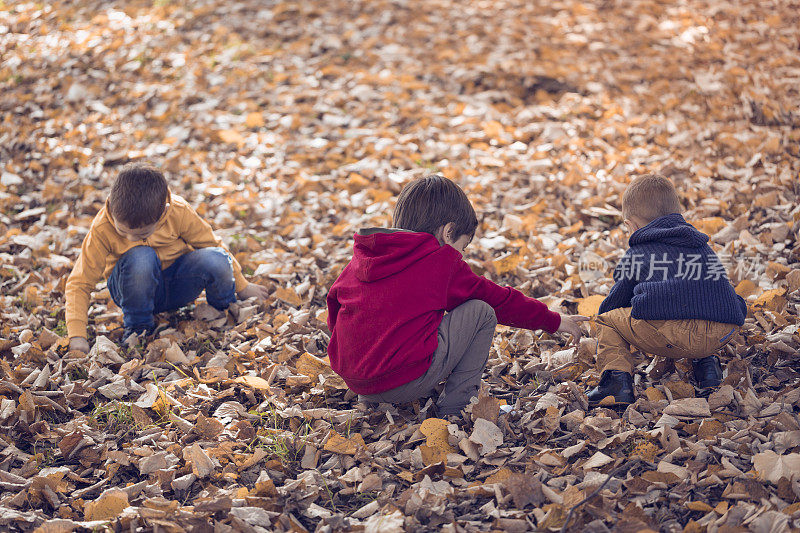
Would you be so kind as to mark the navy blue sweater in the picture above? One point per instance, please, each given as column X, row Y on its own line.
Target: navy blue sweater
column 670, row 273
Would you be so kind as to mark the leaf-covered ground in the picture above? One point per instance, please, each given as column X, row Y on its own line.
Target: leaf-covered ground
column 291, row 124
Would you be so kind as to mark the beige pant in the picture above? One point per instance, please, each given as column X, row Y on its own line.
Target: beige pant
column 674, row 339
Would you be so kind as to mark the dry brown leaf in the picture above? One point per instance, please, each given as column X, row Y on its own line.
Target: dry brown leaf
column 107, row 506
column 486, row 407
column 289, row 296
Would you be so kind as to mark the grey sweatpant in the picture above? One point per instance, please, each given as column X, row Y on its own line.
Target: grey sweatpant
column 465, row 336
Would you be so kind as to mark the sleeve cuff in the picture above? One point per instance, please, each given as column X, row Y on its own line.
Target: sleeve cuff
column 552, row 322
column 241, row 283
column 76, row 328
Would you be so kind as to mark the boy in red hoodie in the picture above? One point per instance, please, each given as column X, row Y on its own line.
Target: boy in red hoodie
column 391, row 340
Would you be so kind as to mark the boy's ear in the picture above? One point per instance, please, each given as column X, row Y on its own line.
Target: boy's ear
column 444, row 234
column 632, row 225
column 449, row 236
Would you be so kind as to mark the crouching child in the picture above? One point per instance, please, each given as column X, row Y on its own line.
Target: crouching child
column 671, row 296
column 157, row 255
column 407, row 312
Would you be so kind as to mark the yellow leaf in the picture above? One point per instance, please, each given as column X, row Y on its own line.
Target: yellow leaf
column 311, row 366
column 31, row 296
column 709, row 225
column 699, row 506
column 108, row 506
column 590, row 305
column 493, row 129
column 654, row 395
column 338, row 444
column 254, row 120
column 646, row 450
column 356, row 182
column 380, row 195
column 432, row 454
column 406, row 475
column 436, row 431
column 231, row 136
column 253, row 382
column 745, row 288
column 162, row 405
column 498, row 477
column 506, row 264
column 772, row 299
column 772, row 145
column 289, row 296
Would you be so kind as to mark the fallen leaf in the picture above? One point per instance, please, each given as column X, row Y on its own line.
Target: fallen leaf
column 347, row 446
column 487, row 435
column 202, row 466
column 107, row 506
column 590, row 305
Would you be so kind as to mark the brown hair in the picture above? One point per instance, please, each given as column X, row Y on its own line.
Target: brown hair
column 426, row 204
column 649, row 197
column 138, row 196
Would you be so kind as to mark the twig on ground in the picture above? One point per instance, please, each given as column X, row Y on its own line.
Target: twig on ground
column 627, row 465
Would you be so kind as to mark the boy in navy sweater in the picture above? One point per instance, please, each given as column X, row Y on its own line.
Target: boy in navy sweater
column 671, row 296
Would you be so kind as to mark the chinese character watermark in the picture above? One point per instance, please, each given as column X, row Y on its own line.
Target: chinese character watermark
column 661, row 267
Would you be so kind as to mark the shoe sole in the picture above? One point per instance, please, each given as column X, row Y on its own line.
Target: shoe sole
column 615, row 403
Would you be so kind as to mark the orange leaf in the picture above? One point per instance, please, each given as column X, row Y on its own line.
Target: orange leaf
column 590, row 305
column 289, row 296
column 254, row 120
column 745, row 288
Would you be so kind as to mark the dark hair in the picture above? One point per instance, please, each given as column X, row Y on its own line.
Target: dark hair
column 428, row 203
column 138, row 196
column 649, row 197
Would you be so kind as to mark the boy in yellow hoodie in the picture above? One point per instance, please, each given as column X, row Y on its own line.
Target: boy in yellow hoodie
column 157, row 255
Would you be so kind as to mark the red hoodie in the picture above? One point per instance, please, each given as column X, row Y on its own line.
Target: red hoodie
column 385, row 308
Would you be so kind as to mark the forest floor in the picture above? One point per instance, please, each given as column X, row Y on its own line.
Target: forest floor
column 289, row 125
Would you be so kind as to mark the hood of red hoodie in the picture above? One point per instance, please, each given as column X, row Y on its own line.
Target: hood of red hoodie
column 380, row 252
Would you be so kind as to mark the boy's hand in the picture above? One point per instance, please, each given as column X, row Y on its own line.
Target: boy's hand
column 80, row 344
column 253, row 289
column 571, row 324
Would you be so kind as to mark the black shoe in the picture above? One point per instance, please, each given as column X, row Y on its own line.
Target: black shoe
column 613, row 383
column 141, row 331
column 707, row 371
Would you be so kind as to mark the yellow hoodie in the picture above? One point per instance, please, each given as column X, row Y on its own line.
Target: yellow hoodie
column 179, row 230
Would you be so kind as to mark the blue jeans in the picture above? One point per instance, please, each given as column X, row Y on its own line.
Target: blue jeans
column 140, row 288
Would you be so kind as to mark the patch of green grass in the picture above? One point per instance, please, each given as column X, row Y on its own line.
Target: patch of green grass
column 78, row 372
column 60, row 328
column 430, row 165
column 25, row 304
column 44, row 455
column 360, row 499
column 348, row 426
column 113, row 417
column 281, row 441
